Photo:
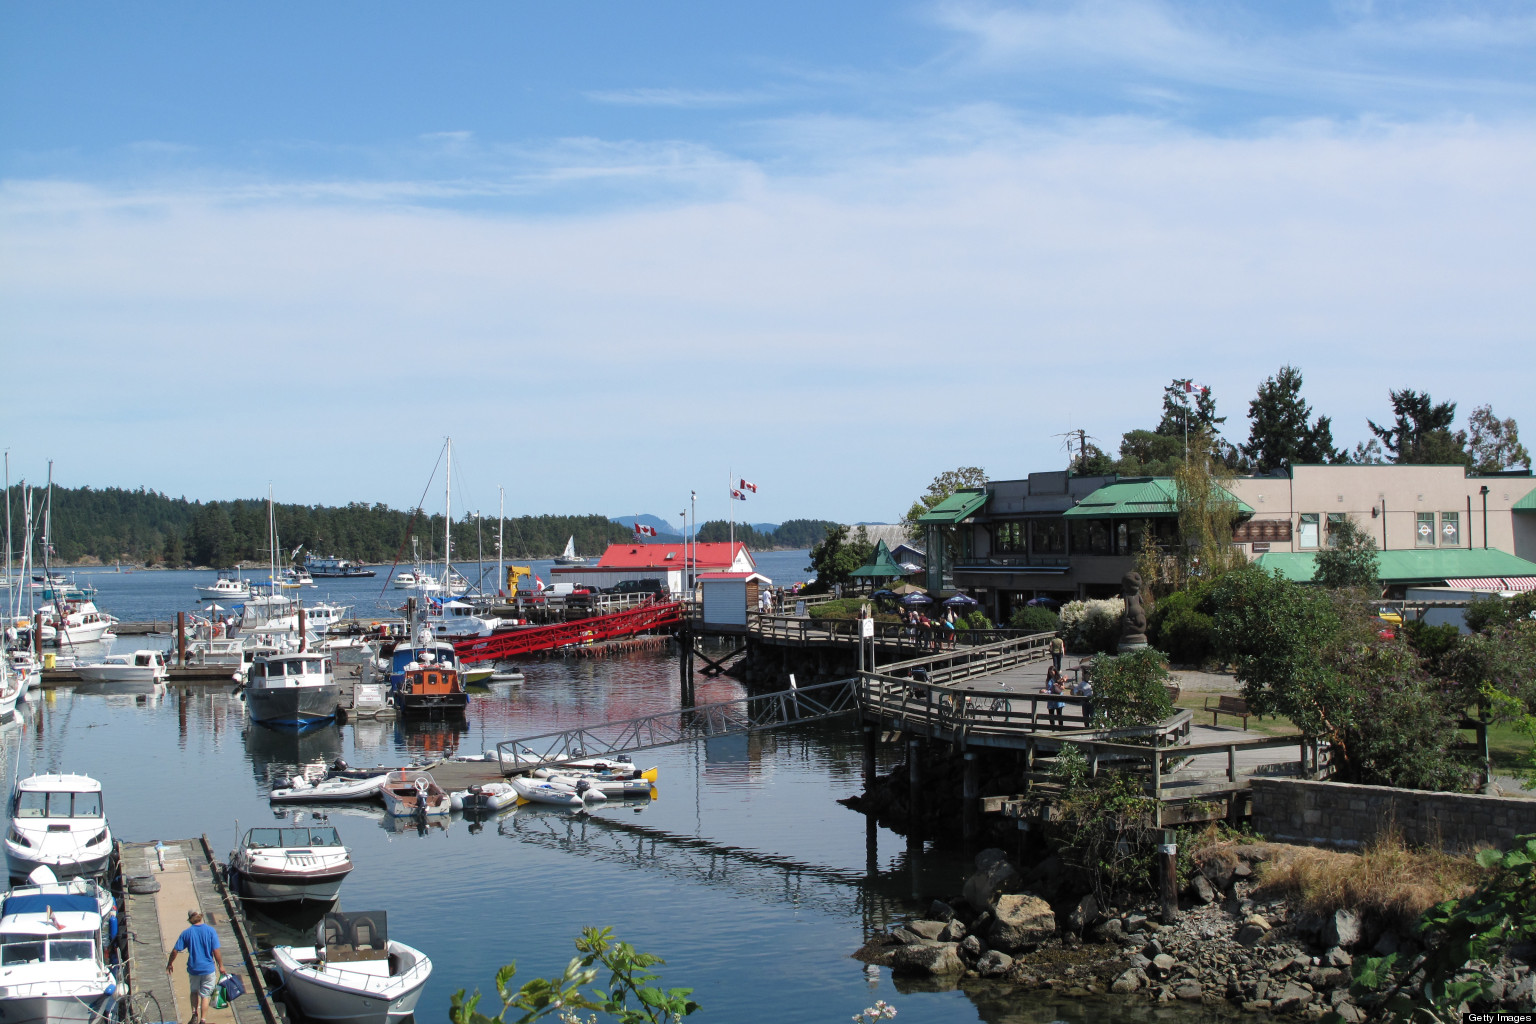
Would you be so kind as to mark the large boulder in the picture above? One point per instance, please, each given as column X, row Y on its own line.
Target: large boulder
column 926, row 929
column 1085, row 913
column 1020, row 922
column 932, row 960
column 994, row 964
column 993, row 877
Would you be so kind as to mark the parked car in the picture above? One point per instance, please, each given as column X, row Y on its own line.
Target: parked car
column 645, row 586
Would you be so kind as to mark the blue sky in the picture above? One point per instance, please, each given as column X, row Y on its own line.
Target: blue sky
column 622, row 251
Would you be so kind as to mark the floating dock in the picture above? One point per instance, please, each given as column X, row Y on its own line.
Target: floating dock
column 189, row 878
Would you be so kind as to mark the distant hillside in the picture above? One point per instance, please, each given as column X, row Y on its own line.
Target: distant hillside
column 112, row 524
column 665, row 532
column 795, row 534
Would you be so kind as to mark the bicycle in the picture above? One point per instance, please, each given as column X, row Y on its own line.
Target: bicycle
column 141, row 1008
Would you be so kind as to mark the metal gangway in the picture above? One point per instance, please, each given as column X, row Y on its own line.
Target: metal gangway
column 645, row 619
column 703, row 721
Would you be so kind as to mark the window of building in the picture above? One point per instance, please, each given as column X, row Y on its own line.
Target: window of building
column 1335, row 519
column 1047, row 537
column 1009, row 538
column 1424, row 533
column 1307, row 530
column 1129, row 534
column 1450, row 529
column 1091, row 537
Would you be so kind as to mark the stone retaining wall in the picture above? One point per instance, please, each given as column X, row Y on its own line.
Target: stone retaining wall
column 1348, row 816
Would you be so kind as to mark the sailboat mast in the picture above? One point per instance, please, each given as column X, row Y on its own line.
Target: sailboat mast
column 501, row 515
column 48, row 528
column 9, row 576
column 448, row 519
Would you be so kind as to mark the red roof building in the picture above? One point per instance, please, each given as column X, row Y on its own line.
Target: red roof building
column 667, row 562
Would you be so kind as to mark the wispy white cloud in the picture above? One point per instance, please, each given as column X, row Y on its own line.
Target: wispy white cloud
column 692, row 99
column 1018, row 279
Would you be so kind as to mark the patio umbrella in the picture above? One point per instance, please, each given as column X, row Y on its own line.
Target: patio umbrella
column 884, row 593
column 917, row 599
column 215, row 608
column 962, row 601
column 907, row 588
column 1043, row 602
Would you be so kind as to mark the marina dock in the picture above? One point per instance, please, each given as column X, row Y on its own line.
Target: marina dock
column 190, row 878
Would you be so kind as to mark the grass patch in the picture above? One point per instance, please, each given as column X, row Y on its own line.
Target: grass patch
column 847, row 608
column 1509, row 749
column 1388, row 881
column 1271, row 725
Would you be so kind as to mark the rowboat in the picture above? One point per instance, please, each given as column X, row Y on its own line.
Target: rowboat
column 409, row 794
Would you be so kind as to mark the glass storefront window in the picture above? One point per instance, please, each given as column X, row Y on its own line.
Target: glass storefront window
column 1424, row 532
column 1307, row 533
column 1450, row 529
column 1091, row 537
column 1008, row 538
column 1047, row 537
column 1334, row 519
column 1128, row 536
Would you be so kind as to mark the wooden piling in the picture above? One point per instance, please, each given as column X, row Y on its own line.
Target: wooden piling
column 1167, row 876
column 181, row 639
column 871, row 738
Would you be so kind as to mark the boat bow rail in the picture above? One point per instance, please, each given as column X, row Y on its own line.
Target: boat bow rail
column 703, row 721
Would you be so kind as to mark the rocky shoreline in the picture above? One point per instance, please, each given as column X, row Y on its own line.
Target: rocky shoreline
column 1229, row 947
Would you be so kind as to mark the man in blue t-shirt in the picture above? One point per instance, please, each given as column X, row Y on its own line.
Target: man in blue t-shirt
column 204, row 962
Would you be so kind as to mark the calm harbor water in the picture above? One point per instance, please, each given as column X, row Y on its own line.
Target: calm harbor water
column 745, row 874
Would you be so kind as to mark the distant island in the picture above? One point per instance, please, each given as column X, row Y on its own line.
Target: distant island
column 101, row 526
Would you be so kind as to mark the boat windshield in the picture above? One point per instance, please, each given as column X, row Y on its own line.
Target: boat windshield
column 35, row 804
column 284, row 838
column 32, row 950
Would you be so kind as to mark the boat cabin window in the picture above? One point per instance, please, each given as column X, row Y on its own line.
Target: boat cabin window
column 282, row 838
column 72, row 946
column 26, row 952
column 34, row 804
column 59, row 948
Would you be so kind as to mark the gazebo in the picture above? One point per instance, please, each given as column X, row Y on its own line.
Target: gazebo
column 881, row 566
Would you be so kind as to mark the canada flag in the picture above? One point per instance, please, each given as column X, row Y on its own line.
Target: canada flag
column 538, row 584
column 748, row 485
column 737, row 495
column 644, row 531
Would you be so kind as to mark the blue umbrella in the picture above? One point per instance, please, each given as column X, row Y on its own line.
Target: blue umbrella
column 884, row 593
column 917, row 599
column 1043, row 602
column 962, row 601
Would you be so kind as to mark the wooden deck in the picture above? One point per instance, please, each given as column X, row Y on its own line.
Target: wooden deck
column 190, row 879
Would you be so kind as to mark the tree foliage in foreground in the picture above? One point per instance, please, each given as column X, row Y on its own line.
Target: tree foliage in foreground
column 1349, row 560
column 942, row 486
column 835, row 558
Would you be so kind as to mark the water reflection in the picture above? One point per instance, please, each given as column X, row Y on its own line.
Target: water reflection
column 430, row 737
column 275, row 752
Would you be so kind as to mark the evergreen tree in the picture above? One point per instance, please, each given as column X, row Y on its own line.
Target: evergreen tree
column 1188, row 407
column 943, row 486
column 1421, row 431
column 1282, row 433
column 1349, row 560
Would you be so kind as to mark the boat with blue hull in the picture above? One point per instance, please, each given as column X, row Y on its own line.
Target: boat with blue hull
column 292, row 690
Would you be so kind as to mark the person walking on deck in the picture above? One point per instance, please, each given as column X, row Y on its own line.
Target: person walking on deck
column 205, row 964
column 1058, row 648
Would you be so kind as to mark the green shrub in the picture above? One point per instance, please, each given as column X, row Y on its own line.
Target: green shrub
column 1181, row 627
column 1129, row 690
column 1498, row 611
column 1092, row 627
column 1035, row 619
column 977, row 619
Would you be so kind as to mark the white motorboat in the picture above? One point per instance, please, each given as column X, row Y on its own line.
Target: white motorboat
column 330, row 790
column 540, row 792
column 58, row 822
column 290, row 864
column 569, row 555
column 76, row 622
column 408, row 580
column 139, row 667
column 54, row 939
column 228, row 587
column 414, row 794
column 355, row 973
column 643, row 786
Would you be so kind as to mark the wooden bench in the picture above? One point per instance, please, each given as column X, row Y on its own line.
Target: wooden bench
column 1226, row 705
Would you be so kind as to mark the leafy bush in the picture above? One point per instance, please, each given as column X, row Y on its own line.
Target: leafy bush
column 1092, row 627
column 1181, row 627
column 848, row 608
column 1497, row 611
column 1128, row 689
column 1035, row 619
column 977, row 619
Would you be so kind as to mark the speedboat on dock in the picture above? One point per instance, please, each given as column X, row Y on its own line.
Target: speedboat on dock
column 54, row 938
column 355, row 973
column 290, row 864
column 57, row 822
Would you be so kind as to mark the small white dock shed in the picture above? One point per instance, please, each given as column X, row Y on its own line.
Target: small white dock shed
column 728, row 597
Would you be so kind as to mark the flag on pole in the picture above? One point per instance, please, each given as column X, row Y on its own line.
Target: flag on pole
column 737, row 495
column 644, row 531
column 538, row 584
column 748, row 485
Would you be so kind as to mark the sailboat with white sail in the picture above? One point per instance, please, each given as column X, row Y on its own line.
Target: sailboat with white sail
column 569, row 555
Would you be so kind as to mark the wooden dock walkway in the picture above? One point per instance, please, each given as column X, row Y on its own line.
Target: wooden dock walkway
column 190, row 879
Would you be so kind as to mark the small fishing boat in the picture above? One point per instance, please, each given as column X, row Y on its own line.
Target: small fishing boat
column 147, row 667
column 329, row 790
column 57, row 822
column 297, row 690
column 335, row 568
column 569, row 555
column 355, row 973
column 54, row 943
column 413, row 794
column 229, row 586
column 428, row 688
column 541, row 792
column 290, row 864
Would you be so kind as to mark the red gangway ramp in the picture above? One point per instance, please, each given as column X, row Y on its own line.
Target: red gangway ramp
column 645, row 619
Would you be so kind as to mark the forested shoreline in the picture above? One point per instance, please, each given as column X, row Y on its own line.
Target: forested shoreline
column 91, row 525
